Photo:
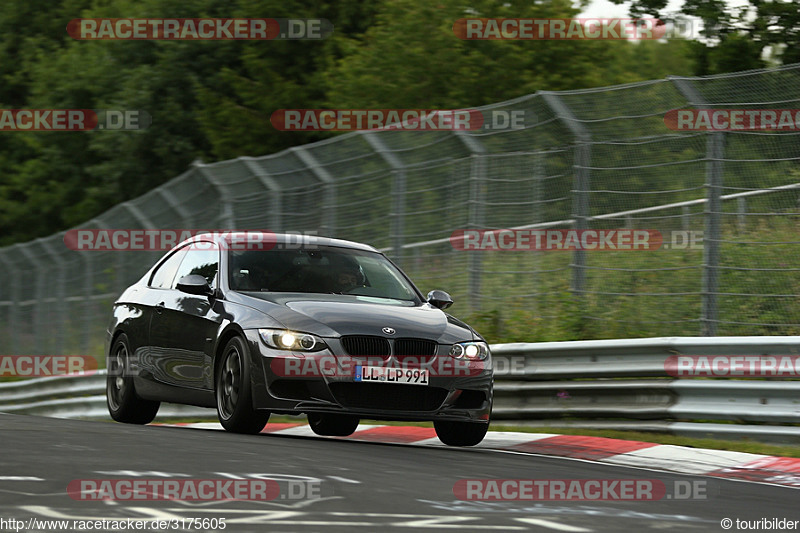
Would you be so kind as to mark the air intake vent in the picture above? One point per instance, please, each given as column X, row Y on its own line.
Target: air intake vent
column 380, row 396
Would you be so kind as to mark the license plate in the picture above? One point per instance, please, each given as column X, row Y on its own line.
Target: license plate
column 383, row 374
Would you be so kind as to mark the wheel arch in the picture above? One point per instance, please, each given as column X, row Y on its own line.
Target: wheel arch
column 114, row 336
column 231, row 331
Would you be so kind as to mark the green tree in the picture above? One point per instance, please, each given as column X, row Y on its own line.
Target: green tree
column 213, row 100
column 735, row 38
column 411, row 58
column 236, row 102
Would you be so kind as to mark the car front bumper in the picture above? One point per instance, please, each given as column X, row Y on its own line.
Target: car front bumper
column 293, row 383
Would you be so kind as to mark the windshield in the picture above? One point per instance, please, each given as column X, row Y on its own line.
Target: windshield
column 328, row 270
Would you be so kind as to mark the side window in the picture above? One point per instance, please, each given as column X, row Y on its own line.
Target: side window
column 164, row 274
column 202, row 262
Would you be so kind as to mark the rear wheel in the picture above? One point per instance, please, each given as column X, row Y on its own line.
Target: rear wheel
column 332, row 425
column 460, row 433
column 124, row 405
column 233, row 392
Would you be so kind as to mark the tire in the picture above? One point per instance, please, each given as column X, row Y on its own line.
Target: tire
column 124, row 405
column 233, row 391
column 460, row 433
column 332, row 425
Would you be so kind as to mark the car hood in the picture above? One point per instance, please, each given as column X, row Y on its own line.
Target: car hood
column 335, row 315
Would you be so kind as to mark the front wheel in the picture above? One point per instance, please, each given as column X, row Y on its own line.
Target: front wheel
column 332, row 425
column 233, row 392
column 124, row 405
column 460, row 433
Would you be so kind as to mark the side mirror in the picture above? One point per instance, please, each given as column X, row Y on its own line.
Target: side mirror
column 194, row 284
column 440, row 299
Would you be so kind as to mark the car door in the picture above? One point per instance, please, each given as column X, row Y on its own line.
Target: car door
column 158, row 286
column 184, row 326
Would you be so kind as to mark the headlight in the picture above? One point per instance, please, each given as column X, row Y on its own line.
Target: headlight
column 476, row 351
column 283, row 339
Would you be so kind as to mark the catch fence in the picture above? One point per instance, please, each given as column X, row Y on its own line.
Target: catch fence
column 598, row 159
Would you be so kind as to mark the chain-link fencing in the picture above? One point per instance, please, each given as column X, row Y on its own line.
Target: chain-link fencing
column 600, row 159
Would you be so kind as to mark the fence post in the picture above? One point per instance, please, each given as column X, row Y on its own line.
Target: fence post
column 477, row 190
column 741, row 218
column 175, row 205
column 329, row 225
column 38, row 327
column 121, row 280
column 59, row 304
column 271, row 184
column 536, row 218
column 88, row 313
column 227, row 217
column 715, row 151
column 581, row 187
column 14, row 285
column 398, row 193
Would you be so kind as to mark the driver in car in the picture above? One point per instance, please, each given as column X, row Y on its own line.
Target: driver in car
column 348, row 278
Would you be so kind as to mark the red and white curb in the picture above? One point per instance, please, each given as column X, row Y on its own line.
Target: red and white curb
column 717, row 463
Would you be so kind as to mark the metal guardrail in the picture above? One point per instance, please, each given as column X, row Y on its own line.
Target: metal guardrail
column 74, row 397
column 624, row 384
column 607, row 384
column 619, row 358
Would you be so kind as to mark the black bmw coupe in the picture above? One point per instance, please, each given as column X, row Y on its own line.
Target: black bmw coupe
column 257, row 323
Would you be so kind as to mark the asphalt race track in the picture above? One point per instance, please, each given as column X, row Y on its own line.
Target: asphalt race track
column 335, row 484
